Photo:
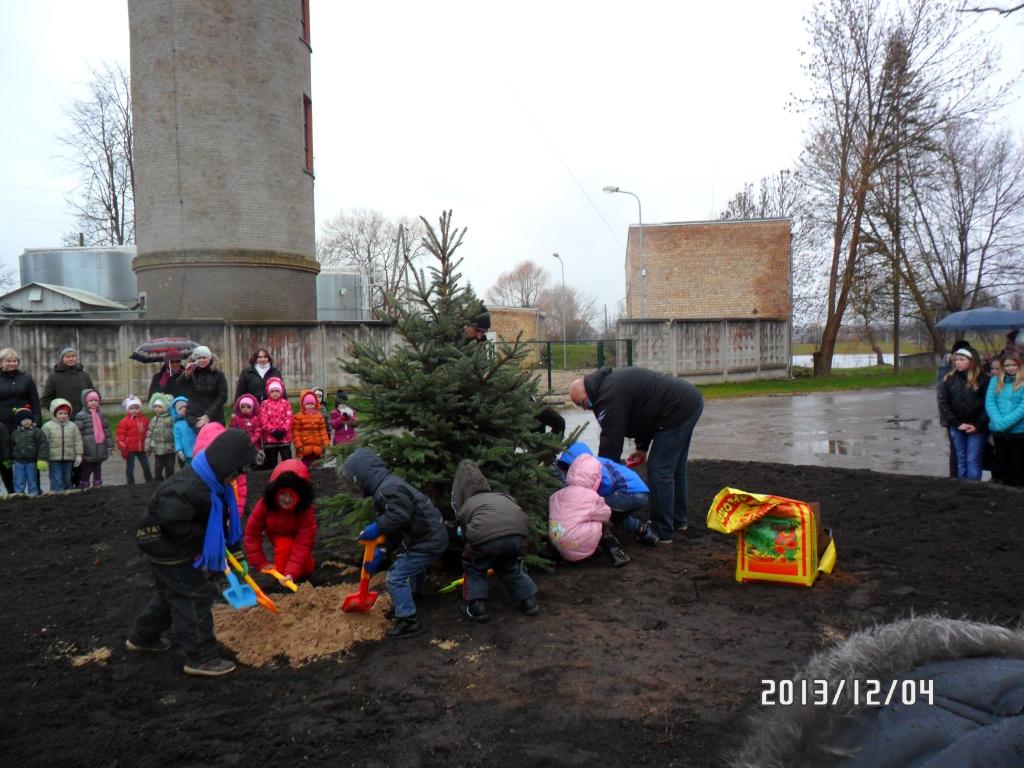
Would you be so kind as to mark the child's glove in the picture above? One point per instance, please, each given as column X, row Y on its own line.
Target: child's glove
column 8, row 463
column 41, row 465
column 78, row 461
column 369, row 533
column 377, row 564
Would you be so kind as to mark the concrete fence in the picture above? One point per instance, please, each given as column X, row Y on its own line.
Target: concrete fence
column 306, row 353
column 711, row 350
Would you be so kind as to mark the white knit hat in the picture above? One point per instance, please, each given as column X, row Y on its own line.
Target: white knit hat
column 201, row 351
column 131, row 400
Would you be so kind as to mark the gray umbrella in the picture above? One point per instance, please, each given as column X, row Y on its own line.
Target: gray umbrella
column 982, row 319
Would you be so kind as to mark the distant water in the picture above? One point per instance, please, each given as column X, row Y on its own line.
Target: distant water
column 843, row 361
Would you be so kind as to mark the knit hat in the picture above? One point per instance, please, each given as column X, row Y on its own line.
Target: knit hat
column 230, row 452
column 161, row 398
column 482, row 320
column 308, row 397
column 965, row 351
column 129, row 401
column 340, row 395
column 69, row 350
column 22, row 413
column 274, row 383
column 247, row 399
column 201, row 351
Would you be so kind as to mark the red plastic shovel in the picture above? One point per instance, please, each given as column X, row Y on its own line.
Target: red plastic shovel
column 363, row 600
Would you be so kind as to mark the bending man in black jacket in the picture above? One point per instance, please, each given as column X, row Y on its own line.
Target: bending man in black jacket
column 651, row 408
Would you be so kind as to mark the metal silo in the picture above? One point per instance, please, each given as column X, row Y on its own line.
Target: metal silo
column 104, row 270
column 342, row 295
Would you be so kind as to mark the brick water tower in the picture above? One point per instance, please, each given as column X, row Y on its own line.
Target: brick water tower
column 223, row 159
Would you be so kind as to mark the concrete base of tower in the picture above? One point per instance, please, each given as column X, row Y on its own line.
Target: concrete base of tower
column 238, row 285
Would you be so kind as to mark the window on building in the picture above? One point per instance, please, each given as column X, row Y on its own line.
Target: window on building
column 304, row 10
column 307, row 118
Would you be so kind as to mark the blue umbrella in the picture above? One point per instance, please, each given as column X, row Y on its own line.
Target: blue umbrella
column 982, row 319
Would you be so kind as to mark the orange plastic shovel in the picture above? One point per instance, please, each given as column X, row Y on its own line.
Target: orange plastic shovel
column 363, row 600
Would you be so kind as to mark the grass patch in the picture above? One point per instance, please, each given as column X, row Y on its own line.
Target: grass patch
column 875, row 377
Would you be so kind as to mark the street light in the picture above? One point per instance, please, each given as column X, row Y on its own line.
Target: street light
column 643, row 267
column 565, row 364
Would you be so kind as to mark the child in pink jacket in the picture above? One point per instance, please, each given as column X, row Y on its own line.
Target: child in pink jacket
column 276, row 424
column 210, row 432
column 577, row 514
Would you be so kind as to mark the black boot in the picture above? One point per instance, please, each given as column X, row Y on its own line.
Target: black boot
column 611, row 545
column 530, row 606
column 647, row 536
column 405, row 626
column 476, row 610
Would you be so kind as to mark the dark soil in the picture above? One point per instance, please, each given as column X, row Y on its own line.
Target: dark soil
column 655, row 663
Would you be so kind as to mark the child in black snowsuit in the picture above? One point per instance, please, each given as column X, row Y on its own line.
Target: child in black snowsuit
column 495, row 530
column 184, row 539
column 412, row 526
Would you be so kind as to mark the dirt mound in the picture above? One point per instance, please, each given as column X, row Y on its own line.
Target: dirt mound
column 310, row 625
column 657, row 662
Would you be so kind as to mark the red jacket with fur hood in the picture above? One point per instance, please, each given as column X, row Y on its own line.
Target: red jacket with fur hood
column 292, row 533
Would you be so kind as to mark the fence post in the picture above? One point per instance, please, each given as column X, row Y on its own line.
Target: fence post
column 600, row 353
column 549, row 365
column 629, row 353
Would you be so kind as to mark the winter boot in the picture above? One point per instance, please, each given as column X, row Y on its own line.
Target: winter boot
column 405, row 626
column 530, row 606
column 646, row 535
column 97, row 483
column 476, row 610
column 211, row 668
column 611, row 545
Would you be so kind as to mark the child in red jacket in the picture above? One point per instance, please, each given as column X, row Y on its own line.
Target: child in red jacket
column 276, row 424
column 287, row 515
column 246, row 417
column 131, row 439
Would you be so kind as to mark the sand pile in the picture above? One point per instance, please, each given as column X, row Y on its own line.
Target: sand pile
column 310, row 625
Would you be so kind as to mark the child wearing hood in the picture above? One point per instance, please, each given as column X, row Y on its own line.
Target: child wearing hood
column 286, row 515
column 309, row 430
column 622, row 489
column 495, row 529
column 160, row 436
column 97, row 439
column 131, row 439
column 65, row 443
column 343, row 420
column 276, row 424
column 29, row 451
column 410, row 523
column 577, row 514
column 246, row 416
column 184, row 433
column 192, row 517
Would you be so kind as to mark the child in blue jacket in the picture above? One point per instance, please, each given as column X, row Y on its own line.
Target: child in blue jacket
column 184, row 434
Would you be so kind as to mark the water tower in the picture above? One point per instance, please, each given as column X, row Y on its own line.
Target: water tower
column 223, row 153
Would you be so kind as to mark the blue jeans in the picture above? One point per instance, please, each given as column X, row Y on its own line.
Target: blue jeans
column 623, row 505
column 408, row 568
column 129, row 467
column 505, row 556
column 60, row 475
column 26, row 478
column 666, row 475
column 970, row 452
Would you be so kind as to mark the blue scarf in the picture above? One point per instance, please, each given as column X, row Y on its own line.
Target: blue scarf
column 212, row 558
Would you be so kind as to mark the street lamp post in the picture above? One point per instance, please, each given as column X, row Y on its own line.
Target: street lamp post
column 643, row 267
column 565, row 357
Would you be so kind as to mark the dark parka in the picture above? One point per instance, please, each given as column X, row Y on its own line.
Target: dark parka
column 207, row 393
column 175, row 528
column 68, row 383
column 483, row 514
column 29, row 445
column 18, row 389
column 404, row 515
column 960, row 403
column 637, row 403
column 251, row 383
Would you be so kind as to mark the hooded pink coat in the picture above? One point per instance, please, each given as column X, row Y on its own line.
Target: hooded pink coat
column 207, row 435
column 576, row 513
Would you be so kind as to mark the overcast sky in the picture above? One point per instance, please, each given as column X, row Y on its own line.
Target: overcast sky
column 515, row 118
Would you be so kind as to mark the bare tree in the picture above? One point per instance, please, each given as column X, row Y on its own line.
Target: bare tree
column 521, row 286
column 580, row 313
column 383, row 249
column 99, row 148
column 884, row 78
column 1002, row 10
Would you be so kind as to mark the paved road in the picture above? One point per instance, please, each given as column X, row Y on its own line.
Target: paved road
column 890, row 430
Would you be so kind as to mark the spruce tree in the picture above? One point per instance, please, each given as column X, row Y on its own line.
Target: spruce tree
column 438, row 397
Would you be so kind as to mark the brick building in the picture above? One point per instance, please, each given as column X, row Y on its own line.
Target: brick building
column 507, row 322
column 710, row 269
column 223, row 153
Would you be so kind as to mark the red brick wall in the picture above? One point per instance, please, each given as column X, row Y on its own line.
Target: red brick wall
column 711, row 269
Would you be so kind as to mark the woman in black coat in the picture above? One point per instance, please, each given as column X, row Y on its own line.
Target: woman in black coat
column 203, row 383
column 17, row 389
column 253, row 378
